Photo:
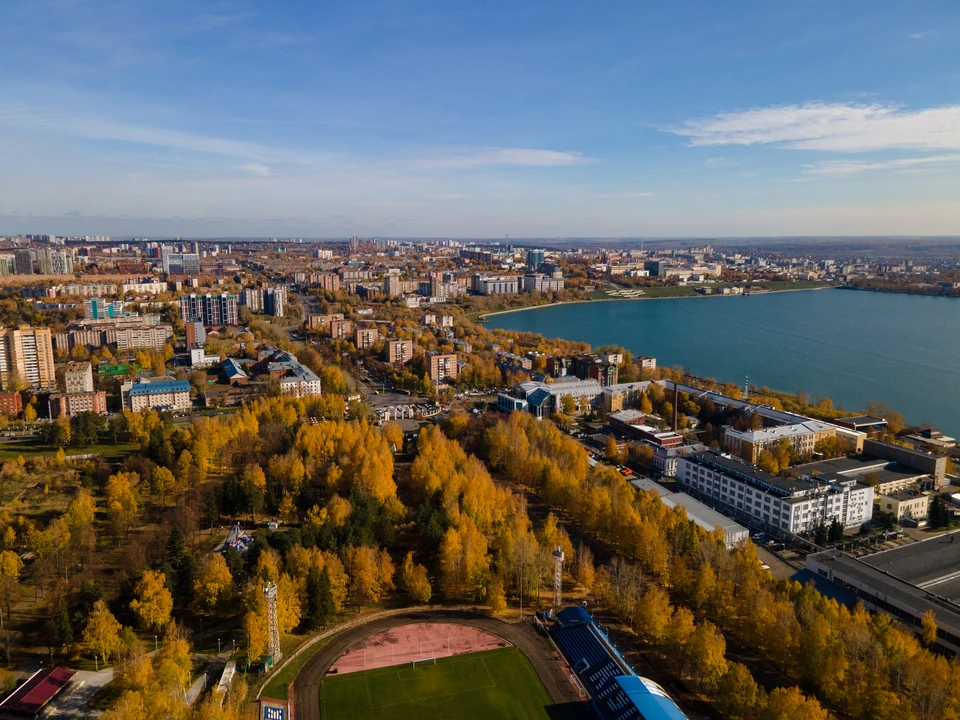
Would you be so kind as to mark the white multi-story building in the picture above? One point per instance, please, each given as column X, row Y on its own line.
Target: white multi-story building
column 164, row 395
column 774, row 503
column 78, row 378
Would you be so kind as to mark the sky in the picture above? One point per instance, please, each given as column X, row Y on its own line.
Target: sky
column 480, row 119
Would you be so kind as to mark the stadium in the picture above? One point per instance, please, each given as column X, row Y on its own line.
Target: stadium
column 464, row 665
column 616, row 691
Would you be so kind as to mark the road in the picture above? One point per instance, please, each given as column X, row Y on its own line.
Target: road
column 306, row 688
column 84, row 686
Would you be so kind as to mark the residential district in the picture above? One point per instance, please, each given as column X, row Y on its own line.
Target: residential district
column 254, row 434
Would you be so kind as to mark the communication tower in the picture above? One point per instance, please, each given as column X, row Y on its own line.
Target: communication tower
column 558, row 577
column 273, row 627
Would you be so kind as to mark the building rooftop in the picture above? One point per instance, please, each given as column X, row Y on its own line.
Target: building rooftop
column 864, row 420
column 39, row 689
column 939, row 597
column 781, row 432
column 932, row 564
column 747, row 472
column 155, row 388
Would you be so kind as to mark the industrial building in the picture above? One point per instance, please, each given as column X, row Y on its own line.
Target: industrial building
column 905, row 582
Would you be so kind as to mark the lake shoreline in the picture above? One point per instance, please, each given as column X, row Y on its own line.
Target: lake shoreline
column 483, row 316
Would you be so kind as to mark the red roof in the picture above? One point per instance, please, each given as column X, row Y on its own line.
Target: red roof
column 37, row 691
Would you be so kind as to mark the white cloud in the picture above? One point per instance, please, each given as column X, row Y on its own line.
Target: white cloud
column 829, row 127
column 923, row 35
column 625, row 195
column 851, row 167
column 255, row 169
column 466, row 159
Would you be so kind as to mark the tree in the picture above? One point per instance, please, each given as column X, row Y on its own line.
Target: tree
column 939, row 514
column 789, row 704
column 707, row 650
column 612, row 451
column 163, row 483
column 497, row 598
column 568, row 404
column 10, row 567
column 123, row 502
column 653, row 614
column 768, row 463
column 737, row 692
column 153, row 602
column 213, row 585
column 583, row 566
column 102, row 633
column 928, row 621
column 320, row 605
column 414, row 579
column 835, row 532
column 29, row 414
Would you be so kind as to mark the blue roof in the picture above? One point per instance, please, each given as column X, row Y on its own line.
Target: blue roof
column 574, row 614
column 649, row 698
column 159, row 387
column 232, row 368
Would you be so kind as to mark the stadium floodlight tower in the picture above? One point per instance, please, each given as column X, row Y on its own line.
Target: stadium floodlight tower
column 273, row 627
column 558, row 577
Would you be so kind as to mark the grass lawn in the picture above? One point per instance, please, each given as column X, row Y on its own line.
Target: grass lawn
column 491, row 684
column 10, row 451
column 279, row 684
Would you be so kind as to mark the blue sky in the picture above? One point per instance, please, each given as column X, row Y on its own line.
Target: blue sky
column 467, row 119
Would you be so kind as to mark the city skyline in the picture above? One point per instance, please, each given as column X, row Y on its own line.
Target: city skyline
column 422, row 119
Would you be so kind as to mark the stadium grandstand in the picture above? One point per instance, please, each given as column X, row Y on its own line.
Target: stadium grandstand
column 616, row 691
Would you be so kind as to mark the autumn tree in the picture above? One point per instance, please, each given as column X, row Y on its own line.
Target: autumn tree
column 102, row 632
column 737, row 692
column 123, row 502
column 415, row 581
column 212, row 585
column 153, row 602
column 10, row 567
column 707, row 651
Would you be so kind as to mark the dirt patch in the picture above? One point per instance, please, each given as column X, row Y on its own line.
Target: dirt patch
column 406, row 643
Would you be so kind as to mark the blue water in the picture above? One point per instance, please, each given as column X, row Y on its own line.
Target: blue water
column 850, row 346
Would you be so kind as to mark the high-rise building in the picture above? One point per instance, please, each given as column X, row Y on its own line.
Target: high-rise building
column 196, row 335
column 181, row 263
column 78, row 378
column 56, row 262
column 27, row 353
column 252, row 298
column 391, row 285
column 443, row 367
column 98, row 309
column 275, row 301
column 399, row 351
column 535, row 258
column 24, row 261
column 209, row 309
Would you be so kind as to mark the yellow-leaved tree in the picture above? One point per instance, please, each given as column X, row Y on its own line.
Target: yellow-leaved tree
column 153, row 602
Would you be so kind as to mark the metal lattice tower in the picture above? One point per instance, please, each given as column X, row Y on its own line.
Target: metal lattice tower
column 273, row 627
column 558, row 577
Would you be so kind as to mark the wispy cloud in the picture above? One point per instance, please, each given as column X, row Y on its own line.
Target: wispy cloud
column 90, row 128
column 625, row 195
column 720, row 162
column 852, row 167
column 256, row 169
column 466, row 159
column 923, row 35
column 829, row 127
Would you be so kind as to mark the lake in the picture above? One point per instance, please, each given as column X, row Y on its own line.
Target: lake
column 851, row 346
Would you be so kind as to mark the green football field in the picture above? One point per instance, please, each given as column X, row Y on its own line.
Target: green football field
column 492, row 684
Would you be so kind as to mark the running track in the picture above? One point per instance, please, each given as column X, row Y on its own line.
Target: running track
column 306, row 688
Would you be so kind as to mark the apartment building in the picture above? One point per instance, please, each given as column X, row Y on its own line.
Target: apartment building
column 96, row 308
column 210, row 309
column 70, row 405
column 496, row 284
column 341, row 329
column 366, row 338
column 773, row 503
column 802, row 437
column 10, row 403
column 27, row 353
column 78, row 378
column 399, row 351
column 196, row 334
column 442, row 367
column 322, row 322
column 181, row 263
